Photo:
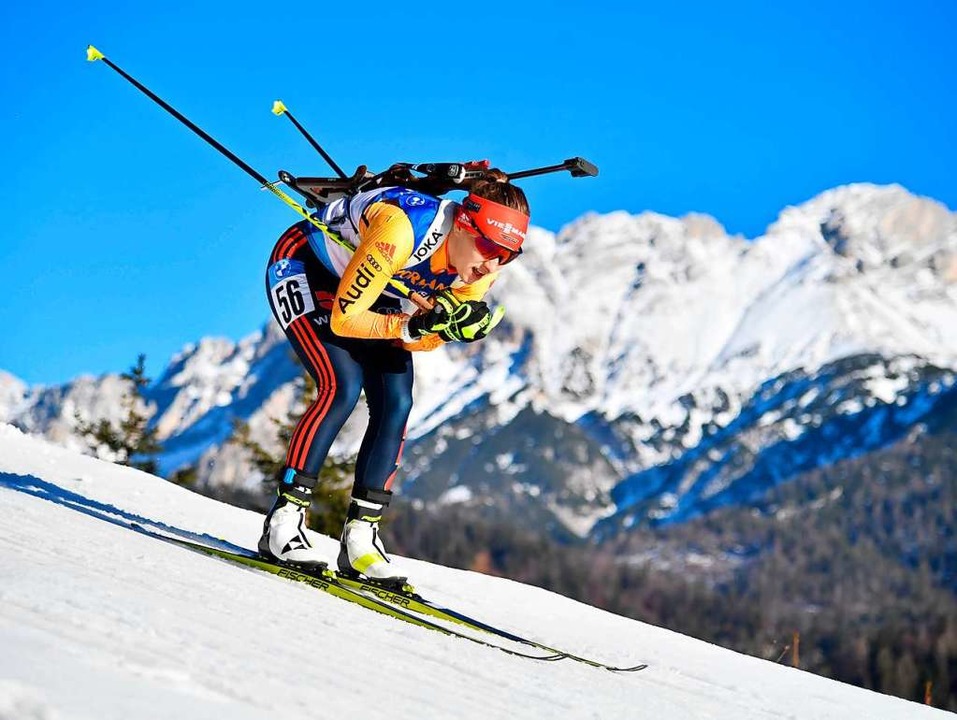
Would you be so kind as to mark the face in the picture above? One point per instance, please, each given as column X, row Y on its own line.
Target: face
column 467, row 258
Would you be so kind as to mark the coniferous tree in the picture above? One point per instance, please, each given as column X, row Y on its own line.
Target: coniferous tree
column 185, row 476
column 134, row 442
column 332, row 494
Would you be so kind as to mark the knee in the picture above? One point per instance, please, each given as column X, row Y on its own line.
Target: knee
column 347, row 391
column 344, row 393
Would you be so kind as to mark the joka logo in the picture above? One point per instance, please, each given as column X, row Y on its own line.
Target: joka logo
column 429, row 245
column 325, row 300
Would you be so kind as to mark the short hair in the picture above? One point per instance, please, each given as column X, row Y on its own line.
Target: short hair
column 496, row 187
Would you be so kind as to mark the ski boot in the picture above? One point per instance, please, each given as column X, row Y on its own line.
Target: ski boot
column 361, row 554
column 284, row 532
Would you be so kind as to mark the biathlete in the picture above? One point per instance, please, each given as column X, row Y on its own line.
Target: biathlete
column 351, row 330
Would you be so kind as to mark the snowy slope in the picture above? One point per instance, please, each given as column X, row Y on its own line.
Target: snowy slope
column 97, row 621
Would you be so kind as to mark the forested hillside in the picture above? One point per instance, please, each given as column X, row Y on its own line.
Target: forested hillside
column 860, row 559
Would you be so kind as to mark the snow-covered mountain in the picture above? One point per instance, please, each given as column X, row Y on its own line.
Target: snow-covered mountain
column 649, row 368
column 99, row 621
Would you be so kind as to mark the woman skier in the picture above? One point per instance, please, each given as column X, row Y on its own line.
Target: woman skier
column 348, row 327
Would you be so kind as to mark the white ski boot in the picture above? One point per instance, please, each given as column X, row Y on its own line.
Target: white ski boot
column 284, row 531
column 360, row 549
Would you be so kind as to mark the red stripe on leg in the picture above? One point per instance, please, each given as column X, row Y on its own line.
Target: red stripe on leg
column 307, row 428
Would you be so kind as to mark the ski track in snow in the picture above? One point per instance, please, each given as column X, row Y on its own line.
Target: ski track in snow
column 98, row 621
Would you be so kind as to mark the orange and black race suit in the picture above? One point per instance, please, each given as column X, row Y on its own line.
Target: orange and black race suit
column 344, row 319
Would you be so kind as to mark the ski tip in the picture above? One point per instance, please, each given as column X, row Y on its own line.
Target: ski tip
column 278, row 108
column 92, row 54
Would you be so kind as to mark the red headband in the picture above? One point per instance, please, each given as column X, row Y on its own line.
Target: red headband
column 501, row 224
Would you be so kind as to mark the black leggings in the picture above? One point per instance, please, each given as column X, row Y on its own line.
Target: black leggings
column 301, row 292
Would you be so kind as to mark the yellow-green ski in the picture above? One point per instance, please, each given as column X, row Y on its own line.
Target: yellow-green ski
column 407, row 606
column 325, row 580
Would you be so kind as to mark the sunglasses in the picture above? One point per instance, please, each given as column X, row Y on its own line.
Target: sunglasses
column 488, row 249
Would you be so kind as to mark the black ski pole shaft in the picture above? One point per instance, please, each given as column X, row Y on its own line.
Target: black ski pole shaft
column 92, row 54
column 279, row 108
column 577, row 166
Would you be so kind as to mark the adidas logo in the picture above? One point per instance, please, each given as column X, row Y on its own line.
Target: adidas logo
column 386, row 249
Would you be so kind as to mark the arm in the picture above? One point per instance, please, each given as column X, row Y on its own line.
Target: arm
column 385, row 244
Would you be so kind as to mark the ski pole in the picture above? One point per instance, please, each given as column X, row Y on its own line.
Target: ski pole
column 279, row 108
column 92, row 54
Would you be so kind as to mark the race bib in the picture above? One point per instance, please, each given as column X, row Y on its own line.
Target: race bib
column 291, row 297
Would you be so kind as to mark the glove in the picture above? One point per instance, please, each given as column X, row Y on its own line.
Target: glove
column 474, row 325
column 456, row 320
column 434, row 320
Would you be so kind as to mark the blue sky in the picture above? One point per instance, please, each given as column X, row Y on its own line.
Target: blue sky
column 124, row 233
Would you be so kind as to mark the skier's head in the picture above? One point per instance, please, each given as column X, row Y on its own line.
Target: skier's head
column 490, row 227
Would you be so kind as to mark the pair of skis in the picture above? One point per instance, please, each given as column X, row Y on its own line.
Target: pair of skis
column 406, row 606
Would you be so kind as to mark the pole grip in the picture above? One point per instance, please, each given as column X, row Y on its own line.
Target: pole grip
column 421, row 301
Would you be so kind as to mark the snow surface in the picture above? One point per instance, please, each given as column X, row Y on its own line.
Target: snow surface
column 98, row 621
